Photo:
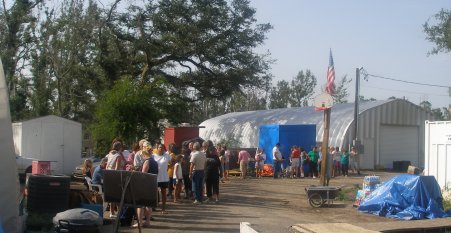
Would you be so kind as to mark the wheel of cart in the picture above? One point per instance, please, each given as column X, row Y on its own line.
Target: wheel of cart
column 315, row 200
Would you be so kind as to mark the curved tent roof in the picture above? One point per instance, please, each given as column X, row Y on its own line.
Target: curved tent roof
column 244, row 126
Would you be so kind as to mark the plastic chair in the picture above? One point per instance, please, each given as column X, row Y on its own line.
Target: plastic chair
column 94, row 187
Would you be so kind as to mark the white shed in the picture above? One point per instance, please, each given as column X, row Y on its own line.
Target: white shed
column 391, row 130
column 50, row 138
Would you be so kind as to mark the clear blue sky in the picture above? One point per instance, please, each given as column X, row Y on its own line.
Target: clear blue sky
column 385, row 37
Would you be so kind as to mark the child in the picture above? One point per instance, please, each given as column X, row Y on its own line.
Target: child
column 260, row 158
column 178, row 178
column 344, row 162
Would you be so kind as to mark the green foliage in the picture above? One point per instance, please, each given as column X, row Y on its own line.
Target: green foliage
column 280, row 95
column 230, row 142
column 446, row 204
column 132, row 111
column 202, row 45
column 302, row 88
column 14, row 44
column 70, row 53
column 363, row 99
column 439, row 32
column 347, row 193
column 341, row 91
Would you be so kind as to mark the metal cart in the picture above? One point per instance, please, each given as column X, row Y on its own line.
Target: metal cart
column 319, row 195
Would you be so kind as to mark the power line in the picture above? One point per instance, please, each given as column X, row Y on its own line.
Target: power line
column 366, row 74
column 403, row 91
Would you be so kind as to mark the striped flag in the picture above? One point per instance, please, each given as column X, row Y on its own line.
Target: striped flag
column 330, row 86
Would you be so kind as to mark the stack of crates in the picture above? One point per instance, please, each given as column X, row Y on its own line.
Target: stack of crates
column 370, row 183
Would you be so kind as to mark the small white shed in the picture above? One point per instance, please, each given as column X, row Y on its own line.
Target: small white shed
column 50, row 138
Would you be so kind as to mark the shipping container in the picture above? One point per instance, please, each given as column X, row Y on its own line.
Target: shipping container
column 438, row 151
column 178, row 135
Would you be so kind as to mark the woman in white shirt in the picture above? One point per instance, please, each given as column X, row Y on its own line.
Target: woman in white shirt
column 163, row 159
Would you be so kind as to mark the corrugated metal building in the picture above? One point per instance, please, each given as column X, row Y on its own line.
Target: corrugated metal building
column 391, row 130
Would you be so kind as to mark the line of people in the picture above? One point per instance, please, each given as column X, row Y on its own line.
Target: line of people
column 303, row 164
column 196, row 170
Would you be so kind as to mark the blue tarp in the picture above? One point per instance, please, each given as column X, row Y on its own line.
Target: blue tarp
column 407, row 197
column 287, row 135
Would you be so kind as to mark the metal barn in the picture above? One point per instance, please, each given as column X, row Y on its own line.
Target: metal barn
column 391, row 130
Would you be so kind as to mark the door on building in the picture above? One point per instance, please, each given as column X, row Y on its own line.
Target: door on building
column 398, row 143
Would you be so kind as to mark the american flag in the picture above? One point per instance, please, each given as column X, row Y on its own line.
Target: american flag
column 330, row 86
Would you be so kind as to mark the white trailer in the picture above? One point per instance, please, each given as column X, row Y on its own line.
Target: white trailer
column 437, row 156
column 50, row 138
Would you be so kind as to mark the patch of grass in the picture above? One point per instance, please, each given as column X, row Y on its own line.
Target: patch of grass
column 347, row 193
column 446, row 200
column 446, row 204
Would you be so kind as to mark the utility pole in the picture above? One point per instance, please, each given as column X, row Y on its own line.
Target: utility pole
column 324, row 181
column 356, row 105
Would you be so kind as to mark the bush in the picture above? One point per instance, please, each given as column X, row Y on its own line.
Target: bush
column 348, row 193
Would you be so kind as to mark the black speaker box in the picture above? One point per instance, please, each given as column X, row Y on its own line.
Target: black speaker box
column 142, row 186
column 48, row 193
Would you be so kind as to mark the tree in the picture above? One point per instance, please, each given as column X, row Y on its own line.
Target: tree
column 202, row 45
column 341, row 91
column 439, row 33
column 15, row 25
column 438, row 114
column 64, row 59
column 280, row 95
column 131, row 112
column 71, row 55
column 426, row 105
column 363, row 99
column 302, row 88
column 446, row 113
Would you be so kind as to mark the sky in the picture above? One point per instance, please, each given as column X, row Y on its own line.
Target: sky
column 385, row 37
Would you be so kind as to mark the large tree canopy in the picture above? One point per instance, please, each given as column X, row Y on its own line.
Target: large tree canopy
column 201, row 45
column 78, row 58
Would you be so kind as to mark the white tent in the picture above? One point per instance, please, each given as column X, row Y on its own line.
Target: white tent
column 9, row 190
column 389, row 131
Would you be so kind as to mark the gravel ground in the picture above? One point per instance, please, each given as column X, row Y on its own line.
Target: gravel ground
column 270, row 205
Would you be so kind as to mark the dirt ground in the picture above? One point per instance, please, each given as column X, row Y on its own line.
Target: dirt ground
column 270, row 205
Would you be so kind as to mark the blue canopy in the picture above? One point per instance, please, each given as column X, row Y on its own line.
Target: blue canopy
column 407, row 197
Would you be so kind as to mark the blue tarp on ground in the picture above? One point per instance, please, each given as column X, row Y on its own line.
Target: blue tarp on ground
column 407, row 197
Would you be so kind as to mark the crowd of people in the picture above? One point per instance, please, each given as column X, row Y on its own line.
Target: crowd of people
column 308, row 164
column 197, row 169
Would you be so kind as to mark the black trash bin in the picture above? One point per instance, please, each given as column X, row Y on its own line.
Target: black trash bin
column 77, row 221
